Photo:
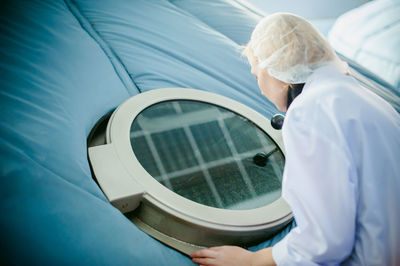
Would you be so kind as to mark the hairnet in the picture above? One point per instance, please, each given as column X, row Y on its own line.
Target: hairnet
column 290, row 48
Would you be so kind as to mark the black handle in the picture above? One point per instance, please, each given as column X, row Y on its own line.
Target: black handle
column 261, row 158
column 277, row 121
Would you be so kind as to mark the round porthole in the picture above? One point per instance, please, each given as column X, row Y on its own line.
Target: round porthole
column 191, row 168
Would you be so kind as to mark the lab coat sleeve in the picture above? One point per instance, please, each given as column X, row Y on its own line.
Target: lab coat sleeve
column 319, row 184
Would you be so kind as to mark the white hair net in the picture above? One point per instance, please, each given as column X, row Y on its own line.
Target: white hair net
column 290, row 48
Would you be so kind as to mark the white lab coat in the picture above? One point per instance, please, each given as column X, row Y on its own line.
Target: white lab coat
column 342, row 175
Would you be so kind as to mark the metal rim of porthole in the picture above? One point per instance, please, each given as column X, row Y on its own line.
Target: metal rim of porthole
column 171, row 218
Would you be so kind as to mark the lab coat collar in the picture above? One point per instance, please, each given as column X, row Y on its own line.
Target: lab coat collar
column 337, row 66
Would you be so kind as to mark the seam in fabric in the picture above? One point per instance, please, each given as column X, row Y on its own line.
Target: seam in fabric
column 209, row 25
column 250, row 8
column 119, row 68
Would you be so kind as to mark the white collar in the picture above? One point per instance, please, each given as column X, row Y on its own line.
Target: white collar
column 336, row 66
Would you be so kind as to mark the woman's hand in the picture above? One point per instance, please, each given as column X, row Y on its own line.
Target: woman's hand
column 225, row 255
column 232, row 255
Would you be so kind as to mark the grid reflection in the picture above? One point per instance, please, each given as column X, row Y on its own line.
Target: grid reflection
column 204, row 153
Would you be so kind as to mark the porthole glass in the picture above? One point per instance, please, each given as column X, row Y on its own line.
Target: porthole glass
column 192, row 168
column 205, row 153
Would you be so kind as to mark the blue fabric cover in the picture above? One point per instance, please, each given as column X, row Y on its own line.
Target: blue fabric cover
column 63, row 65
column 235, row 23
column 55, row 84
column 370, row 36
column 173, row 48
column 59, row 75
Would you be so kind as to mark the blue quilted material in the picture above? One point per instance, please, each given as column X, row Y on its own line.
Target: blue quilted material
column 63, row 65
column 173, row 48
column 370, row 36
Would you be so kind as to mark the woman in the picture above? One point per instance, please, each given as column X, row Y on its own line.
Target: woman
column 342, row 173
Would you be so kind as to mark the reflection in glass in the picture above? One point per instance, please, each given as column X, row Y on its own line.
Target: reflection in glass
column 174, row 149
column 210, row 141
column 205, row 153
column 230, row 184
column 196, row 189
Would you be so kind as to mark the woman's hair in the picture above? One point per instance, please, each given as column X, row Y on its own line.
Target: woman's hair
column 290, row 48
